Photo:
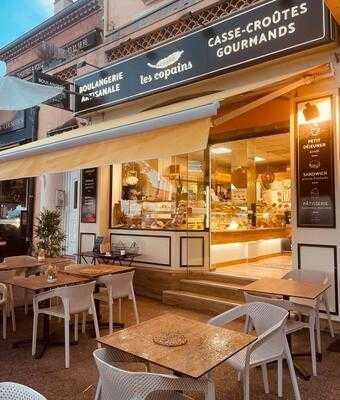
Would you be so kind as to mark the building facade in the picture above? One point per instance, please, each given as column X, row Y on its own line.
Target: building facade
column 207, row 135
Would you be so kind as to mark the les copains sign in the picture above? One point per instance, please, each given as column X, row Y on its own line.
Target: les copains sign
column 271, row 29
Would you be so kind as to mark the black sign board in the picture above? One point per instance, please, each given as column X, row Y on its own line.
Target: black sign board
column 60, row 101
column 28, row 70
column 315, row 164
column 89, row 196
column 17, row 126
column 11, row 121
column 85, row 42
column 265, row 31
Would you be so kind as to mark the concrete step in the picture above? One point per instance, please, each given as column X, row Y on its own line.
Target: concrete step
column 227, row 291
column 196, row 301
column 219, row 277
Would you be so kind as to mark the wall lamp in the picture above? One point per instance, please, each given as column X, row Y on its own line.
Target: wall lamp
column 83, row 64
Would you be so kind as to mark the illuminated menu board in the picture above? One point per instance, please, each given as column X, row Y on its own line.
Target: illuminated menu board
column 315, row 164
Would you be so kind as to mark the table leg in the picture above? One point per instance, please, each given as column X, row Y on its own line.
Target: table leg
column 335, row 345
column 131, row 261
column 301, row 372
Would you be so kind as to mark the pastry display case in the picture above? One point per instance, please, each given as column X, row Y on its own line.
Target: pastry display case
column 163, row 194
column 250, row 190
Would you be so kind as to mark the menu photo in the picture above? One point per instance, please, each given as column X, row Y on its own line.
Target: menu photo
column 89, row 196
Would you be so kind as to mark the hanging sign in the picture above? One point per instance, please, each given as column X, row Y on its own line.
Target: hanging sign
column 11, row 121
column 17, row 126
column 89, row 196
column 315, row 164
column 265, row 31
column 60, row 101
column 85, row 42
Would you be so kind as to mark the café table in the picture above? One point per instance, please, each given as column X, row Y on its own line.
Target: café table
column 94, row 272
column 207, row 346
column 38, row 284
column 22, row 265
column 287, row 288
column 28, row 264
column 98, row 270
column 113, row 256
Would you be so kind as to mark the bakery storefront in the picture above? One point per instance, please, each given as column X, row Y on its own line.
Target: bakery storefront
column 227, row 206
column 217, row 151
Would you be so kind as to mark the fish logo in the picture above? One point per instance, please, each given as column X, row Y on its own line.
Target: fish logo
column 167, row 61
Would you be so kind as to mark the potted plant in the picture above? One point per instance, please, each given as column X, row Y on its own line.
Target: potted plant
column 49, row 235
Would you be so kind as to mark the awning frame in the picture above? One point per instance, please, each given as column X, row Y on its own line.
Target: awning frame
column 179, row 117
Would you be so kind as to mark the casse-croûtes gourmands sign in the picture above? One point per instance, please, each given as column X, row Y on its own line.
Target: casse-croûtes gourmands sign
column 264, row 31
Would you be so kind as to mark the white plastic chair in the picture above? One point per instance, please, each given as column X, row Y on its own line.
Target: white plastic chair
column 30, row 271
column 118, row 286
column 9, row 307
column 75, row 300
column 71, row 267
column 119, row 384
column 3, row 305
column 313, row 277
column 15, row 391
column 271, row 345
column 292, row 325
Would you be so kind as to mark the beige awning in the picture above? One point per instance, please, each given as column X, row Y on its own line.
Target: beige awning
column 136, row 140
column 171, row 130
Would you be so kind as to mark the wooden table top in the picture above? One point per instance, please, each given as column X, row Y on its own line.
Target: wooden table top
column 112, row 255
column 27, row 264
column 95, row 271
column 22, row 265
column 39, row 283
column 207, row 346
column 287, row 287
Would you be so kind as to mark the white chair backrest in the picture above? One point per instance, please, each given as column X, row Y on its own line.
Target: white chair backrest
column 3, row 294
column 118, row 384
column 268, row 321
column 15, row 259
column 307, row 276
column 79, row 297
column 14, row 391
column 121, row 284
column 286, row 304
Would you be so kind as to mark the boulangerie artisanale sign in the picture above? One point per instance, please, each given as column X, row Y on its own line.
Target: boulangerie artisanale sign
column 268, row 30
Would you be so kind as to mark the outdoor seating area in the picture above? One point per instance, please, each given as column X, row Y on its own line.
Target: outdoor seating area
column 149, row 349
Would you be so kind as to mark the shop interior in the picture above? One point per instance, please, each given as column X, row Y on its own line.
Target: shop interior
column 251, row 204
column 250, row 184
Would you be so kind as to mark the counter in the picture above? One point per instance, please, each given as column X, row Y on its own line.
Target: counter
column 165, row 248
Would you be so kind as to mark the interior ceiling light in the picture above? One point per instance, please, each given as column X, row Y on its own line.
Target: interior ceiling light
column 259, row 159
column 221, row 150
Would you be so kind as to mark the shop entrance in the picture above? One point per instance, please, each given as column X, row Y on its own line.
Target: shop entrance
column 250, row 190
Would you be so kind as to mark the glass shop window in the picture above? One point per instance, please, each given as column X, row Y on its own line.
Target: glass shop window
column 159, row 194
column 251, row 184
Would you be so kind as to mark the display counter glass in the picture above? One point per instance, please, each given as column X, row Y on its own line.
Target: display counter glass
column 251, row 185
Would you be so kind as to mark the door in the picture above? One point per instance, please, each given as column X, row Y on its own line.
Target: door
column 72, row 183
column 16, row 209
